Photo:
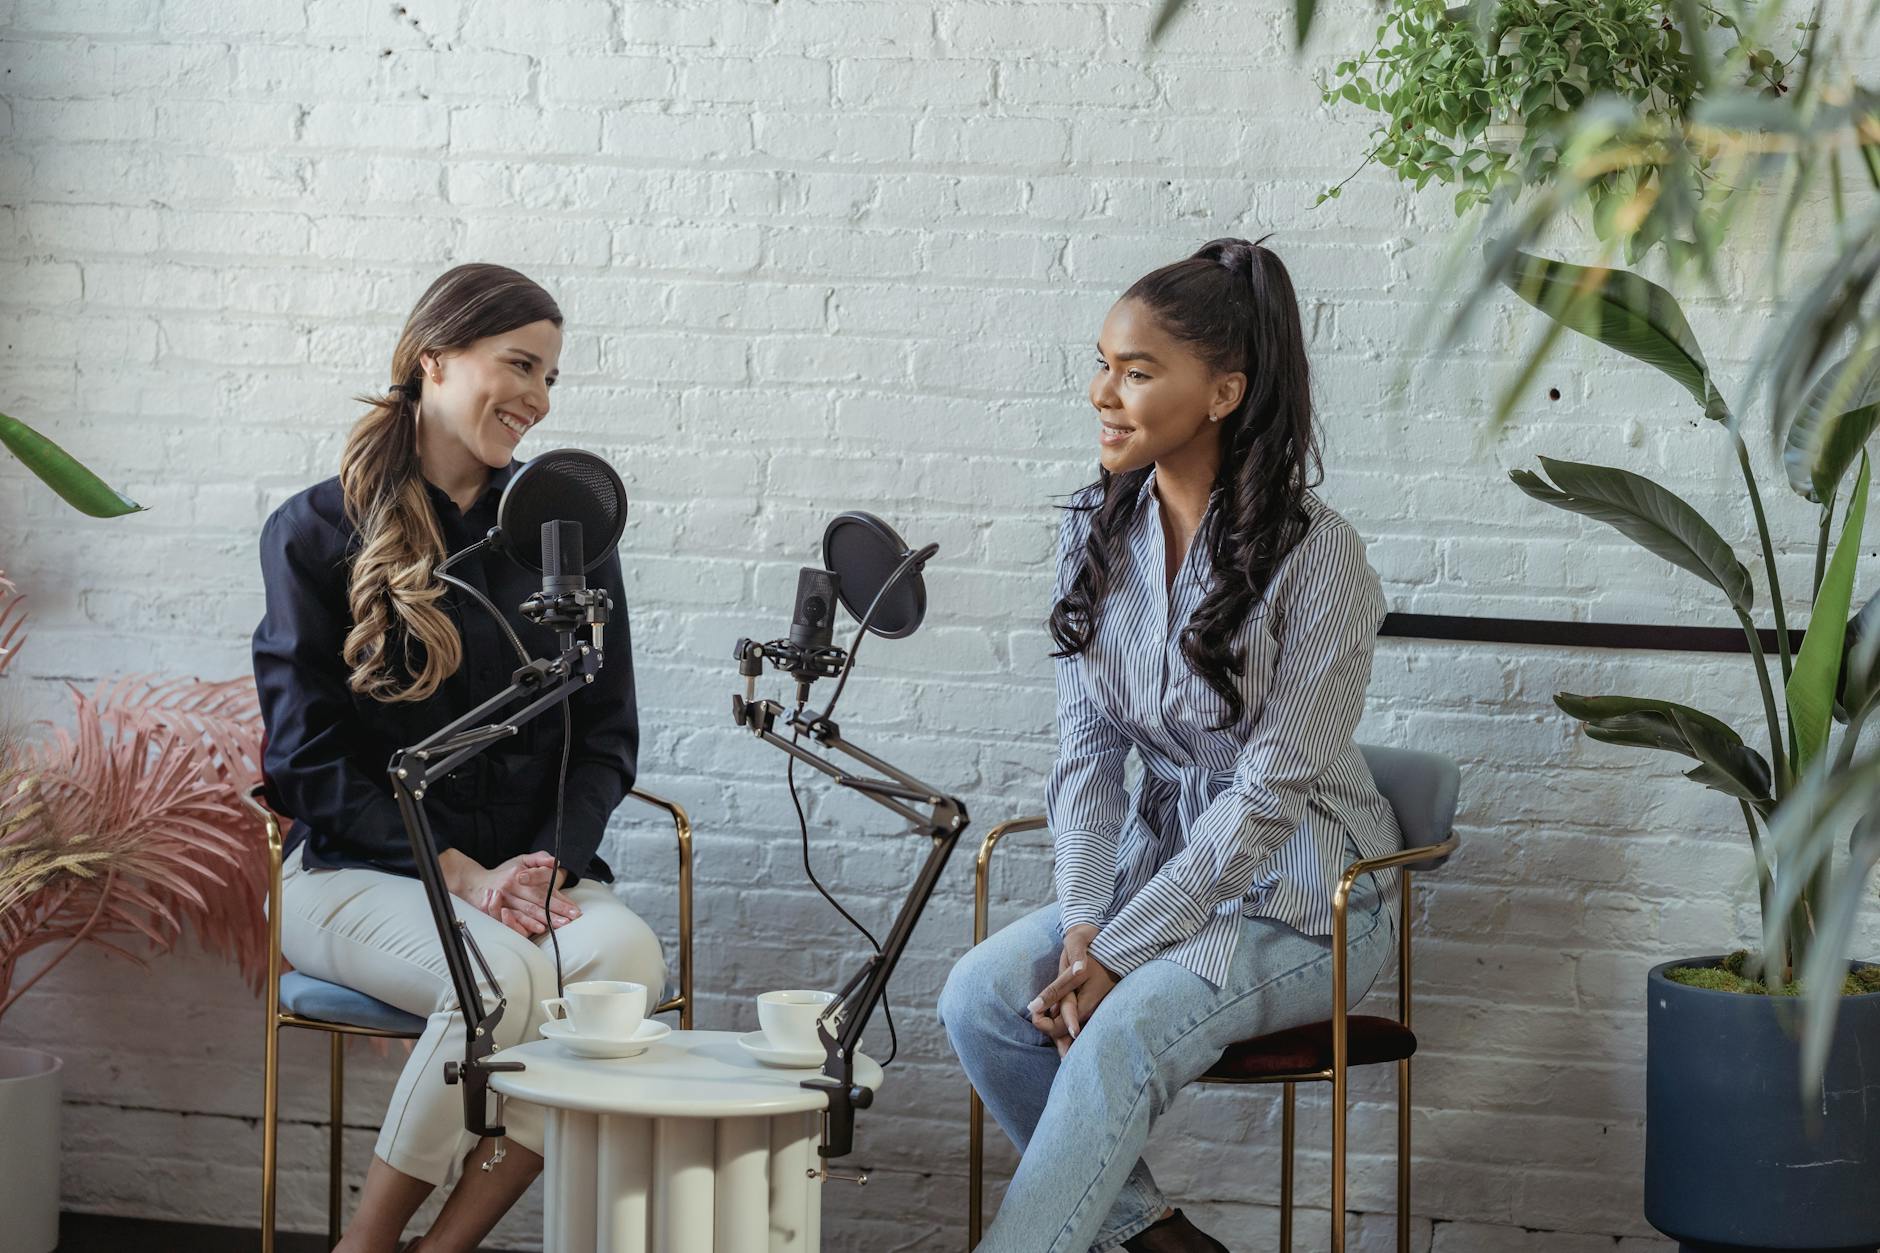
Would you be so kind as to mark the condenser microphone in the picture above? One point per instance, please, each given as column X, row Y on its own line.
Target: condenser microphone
column 814, row 623
column 562, row 568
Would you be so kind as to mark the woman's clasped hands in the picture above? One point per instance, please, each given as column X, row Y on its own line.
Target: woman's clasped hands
column 1065, row 1005
column 511, row 891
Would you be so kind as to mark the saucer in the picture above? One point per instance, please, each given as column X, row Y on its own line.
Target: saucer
column 649, row 1033
column 755, row 1043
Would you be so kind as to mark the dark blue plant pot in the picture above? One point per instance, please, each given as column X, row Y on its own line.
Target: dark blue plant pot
column 1735, row 1162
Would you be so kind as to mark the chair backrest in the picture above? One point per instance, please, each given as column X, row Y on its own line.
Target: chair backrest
column 1421, row 787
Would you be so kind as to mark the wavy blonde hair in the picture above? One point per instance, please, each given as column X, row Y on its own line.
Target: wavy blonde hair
column 403, row 645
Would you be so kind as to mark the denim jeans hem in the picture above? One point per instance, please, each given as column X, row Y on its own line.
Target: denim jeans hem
column 1127, row 1231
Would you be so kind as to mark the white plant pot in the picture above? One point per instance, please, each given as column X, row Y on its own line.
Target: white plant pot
column 1504, row 137
column 29, row 1150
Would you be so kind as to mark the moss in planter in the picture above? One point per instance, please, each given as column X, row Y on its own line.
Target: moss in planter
column 1729, row 977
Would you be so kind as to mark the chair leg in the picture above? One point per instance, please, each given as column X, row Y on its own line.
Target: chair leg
column 1403, row 1156
column 975, row 1172
column 1338, row 1162
column 1286, row 1172
column 270, row 1125
column 335, row 1170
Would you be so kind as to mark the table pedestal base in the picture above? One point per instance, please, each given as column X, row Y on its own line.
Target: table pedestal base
column 623, row 1184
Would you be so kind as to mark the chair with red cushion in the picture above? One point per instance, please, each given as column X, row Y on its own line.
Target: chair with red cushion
column 1421, row 788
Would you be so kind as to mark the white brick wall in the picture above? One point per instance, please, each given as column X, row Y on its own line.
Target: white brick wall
column 820, row 255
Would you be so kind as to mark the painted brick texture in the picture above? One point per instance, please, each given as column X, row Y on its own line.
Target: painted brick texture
column 830, row 254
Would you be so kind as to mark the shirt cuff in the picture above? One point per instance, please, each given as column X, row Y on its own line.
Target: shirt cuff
column 1113, row 958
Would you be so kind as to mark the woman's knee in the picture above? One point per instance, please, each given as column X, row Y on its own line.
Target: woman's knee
column 617, row 943
column 994, row 977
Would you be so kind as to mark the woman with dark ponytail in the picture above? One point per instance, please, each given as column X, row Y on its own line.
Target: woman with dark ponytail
column 1216, row 617
column 365, row 650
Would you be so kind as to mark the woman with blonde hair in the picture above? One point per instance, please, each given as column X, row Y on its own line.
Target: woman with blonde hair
column 364, row 650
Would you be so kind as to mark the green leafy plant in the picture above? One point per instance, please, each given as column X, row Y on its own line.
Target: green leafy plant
column 1808, row 901
column 1477, row 110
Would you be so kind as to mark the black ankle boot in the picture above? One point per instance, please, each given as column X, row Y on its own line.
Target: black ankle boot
column 1174, row 1234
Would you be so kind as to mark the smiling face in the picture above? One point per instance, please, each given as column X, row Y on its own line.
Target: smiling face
column 1155, row 395
column 480, row 400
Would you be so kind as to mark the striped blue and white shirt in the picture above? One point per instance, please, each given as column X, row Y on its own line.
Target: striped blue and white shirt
column 1257, row 820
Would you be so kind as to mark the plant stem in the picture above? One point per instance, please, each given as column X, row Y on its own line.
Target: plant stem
column 1781, row 763
column 1821, row 546
column 1765, row 880
column 104, row 896
column 1769, row 554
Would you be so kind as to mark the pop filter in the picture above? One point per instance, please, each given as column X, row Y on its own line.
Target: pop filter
column 563, row 485
column 864, row 552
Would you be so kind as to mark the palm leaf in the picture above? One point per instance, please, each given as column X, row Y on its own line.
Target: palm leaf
column 1621, row 310
column 63, row 473
column 1652, row 516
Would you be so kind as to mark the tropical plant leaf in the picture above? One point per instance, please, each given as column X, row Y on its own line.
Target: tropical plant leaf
column 1810, row 689
column 1825, row 968
column 1815, row 325
column 1725, row 763
column 1652, row 516
column 1621, row 310
column 63, row 473
column 1860, row 676
column 132, row 824
column 1835, row 420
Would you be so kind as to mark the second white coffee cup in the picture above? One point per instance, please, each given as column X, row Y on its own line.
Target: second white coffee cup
column 789, row 1018
column 606, row 1009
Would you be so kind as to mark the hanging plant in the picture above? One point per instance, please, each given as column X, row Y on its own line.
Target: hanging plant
column 1477, row 112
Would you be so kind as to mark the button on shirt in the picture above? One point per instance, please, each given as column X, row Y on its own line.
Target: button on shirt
column 328, row 747
column 1256, row 820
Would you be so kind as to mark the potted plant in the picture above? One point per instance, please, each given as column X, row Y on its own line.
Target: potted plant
column 1733, row 1157
column 128, row 827
column 1474, row 108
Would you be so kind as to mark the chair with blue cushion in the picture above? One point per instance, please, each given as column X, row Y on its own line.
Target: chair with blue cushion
column 298, row 1000
column 1421, row 788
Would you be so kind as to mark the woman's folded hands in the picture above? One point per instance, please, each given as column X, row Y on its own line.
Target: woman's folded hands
column 1068, row 1001
column 510, row 892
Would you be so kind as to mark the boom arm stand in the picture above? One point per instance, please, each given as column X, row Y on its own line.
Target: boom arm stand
column 544, row 683
column 943, row 821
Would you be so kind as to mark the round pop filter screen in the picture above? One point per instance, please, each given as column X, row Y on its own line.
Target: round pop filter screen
column 563, row 485
column 863, row 551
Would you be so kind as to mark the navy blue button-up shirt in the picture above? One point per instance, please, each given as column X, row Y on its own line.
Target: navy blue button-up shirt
column 328, row 747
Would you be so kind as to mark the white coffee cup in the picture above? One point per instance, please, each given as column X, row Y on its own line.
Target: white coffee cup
column 605, row 1009
column 789, row 1018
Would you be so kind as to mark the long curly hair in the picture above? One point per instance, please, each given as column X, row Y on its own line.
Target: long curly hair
column 393, row 593
column 1234, row 303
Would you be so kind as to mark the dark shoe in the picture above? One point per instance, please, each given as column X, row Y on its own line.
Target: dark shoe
column 1174, row 1234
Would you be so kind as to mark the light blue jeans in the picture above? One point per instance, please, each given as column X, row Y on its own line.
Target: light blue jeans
column 1081, row 1123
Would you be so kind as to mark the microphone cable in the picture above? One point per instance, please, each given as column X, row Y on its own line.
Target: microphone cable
column 567, row 742
column 802, row 823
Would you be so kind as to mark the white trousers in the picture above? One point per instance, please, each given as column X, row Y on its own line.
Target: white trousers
column 372, row 931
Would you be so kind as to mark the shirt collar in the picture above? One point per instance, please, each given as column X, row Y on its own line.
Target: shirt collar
column 1147, row 492
column 499, row 479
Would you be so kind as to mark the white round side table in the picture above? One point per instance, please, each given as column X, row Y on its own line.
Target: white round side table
column 694, row 1146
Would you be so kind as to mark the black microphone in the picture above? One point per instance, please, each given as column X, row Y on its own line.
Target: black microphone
column 814, row 622
column 562, row 563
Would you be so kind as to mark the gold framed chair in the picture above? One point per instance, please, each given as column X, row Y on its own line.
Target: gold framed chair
column 297, row 1000
column 1421, row 787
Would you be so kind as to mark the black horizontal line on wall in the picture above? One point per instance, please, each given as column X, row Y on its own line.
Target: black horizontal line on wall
column 1681, row 639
